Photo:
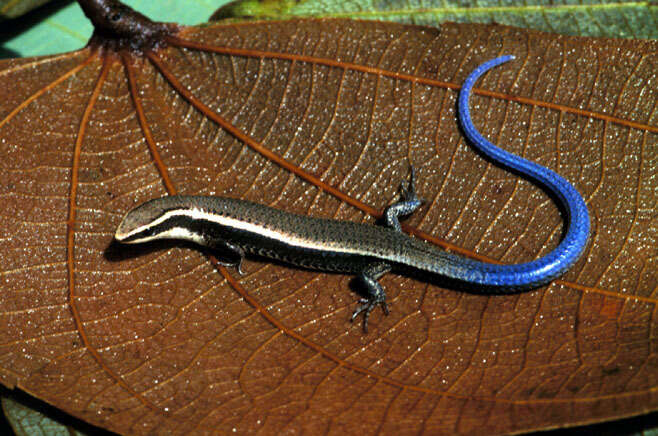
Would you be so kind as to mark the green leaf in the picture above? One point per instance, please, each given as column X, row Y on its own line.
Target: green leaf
column 16, row 8
column 607, row 18
column 61, row 29
column 28, row 416
column 27, row 421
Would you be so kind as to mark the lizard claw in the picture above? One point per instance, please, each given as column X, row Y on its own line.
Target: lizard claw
column 408, row 192
column 366, row 306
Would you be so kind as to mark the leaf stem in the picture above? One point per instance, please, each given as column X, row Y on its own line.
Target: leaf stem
column 117, row 26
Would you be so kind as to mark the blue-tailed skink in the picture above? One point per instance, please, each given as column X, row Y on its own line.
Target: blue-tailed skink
column 233, row 227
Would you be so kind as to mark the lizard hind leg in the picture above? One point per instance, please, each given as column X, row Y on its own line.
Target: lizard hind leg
column 407, row 204
column 375, row 292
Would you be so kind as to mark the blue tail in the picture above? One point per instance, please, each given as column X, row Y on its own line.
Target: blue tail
column 558, row 261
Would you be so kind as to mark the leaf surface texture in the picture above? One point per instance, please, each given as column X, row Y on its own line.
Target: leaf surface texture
column 324, row 118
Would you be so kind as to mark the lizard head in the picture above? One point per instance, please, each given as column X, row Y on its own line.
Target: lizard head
column 160, row 218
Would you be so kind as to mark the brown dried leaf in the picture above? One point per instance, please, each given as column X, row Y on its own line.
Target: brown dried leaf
column 323, row 118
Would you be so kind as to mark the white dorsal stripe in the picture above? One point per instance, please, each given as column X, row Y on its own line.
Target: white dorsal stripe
column 179, row 232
